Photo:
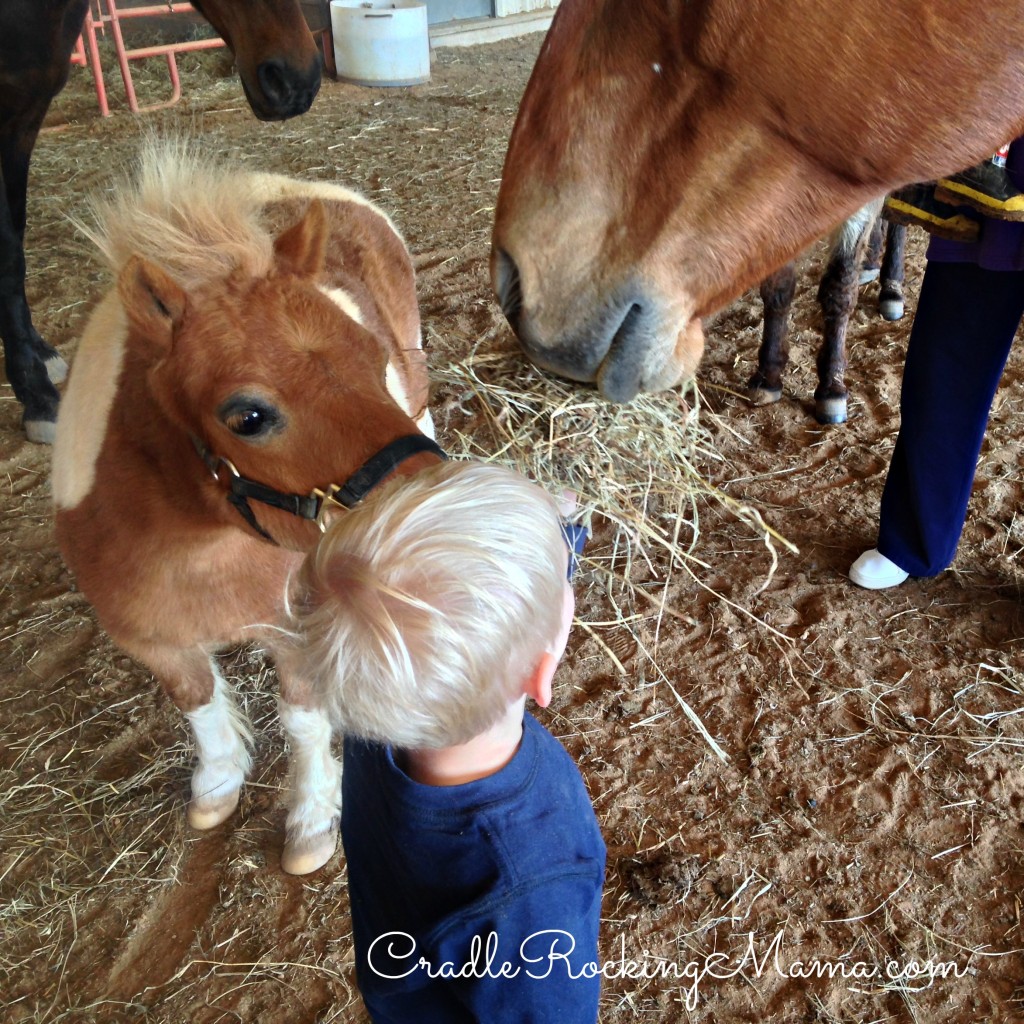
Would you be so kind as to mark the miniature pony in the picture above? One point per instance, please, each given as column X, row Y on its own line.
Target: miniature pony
column 261, row 344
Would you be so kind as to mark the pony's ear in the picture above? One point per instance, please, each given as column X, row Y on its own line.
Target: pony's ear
column 154, row 302
column 301, row 248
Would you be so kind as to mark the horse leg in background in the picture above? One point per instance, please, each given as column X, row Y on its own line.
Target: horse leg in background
column 314, row 777
column 777, row 291
column 32, row 366
column 837, row 296
column 890, row 294
column 14, row 161
column 871, row 266
column 36, row 41
column 219, row 728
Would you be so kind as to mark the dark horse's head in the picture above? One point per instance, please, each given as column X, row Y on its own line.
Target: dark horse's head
column 277, row 59
column 668, row 154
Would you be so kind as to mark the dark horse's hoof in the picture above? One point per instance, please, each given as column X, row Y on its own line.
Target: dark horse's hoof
column 761, row 393
column 891, row 307
column 830, row 410
column 41, row 398
column 40, row 431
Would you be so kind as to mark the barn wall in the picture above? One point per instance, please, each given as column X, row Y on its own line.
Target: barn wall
column 503, row 8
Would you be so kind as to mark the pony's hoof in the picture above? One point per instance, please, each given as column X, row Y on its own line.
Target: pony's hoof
column 764, row 396
column 891, row 309
column 830, row 410
column 308, row 854
column 40, row 431
column 867, row 275
column 209, row 813
column 56, row 369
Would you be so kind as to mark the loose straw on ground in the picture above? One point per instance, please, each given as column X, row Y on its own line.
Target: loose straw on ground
column 631, row 467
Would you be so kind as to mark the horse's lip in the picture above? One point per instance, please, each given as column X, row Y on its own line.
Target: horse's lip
column 583, row 355
column 620, row 373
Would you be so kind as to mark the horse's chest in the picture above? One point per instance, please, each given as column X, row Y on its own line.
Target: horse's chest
column 183, row 589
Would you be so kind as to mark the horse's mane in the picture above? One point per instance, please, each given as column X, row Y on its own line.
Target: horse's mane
column 196, row 218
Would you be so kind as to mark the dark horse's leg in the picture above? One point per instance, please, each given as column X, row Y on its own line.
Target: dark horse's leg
column 777, row 291
column 837, row 295
column 14, row 160
column 36, row 40
column 860, row 235
column 890, row 295
column 872, row 262
column 30, row 362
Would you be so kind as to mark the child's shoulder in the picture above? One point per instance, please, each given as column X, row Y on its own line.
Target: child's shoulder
column 556, row 772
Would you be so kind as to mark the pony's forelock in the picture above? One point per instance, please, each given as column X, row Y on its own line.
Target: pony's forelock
column 185, row 212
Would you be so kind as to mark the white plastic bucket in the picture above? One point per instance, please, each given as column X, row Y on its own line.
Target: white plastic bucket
column 381, row 42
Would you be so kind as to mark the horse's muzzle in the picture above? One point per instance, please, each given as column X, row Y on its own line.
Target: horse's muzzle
column 612, row 346
column 282, row 90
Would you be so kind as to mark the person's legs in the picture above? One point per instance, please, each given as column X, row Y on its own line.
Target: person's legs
column 964, row 327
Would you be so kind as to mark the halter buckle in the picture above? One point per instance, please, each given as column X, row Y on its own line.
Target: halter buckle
column 326, row 497
column 221, row 462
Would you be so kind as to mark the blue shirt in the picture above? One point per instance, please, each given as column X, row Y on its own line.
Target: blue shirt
column 495, row 884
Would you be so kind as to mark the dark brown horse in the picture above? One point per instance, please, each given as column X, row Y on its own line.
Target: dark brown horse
column 669, row 154
column 278, row 63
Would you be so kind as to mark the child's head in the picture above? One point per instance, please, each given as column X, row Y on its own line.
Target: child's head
column 425, row 608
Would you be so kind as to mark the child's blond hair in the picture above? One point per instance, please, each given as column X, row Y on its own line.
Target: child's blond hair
column 426, row 607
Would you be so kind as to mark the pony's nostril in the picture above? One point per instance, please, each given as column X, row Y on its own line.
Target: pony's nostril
column 508, row 287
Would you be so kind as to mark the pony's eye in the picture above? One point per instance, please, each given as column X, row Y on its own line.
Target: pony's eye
column 247, row 423
column 250, row 417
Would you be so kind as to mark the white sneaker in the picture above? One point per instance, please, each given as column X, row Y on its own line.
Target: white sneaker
column 874, row 571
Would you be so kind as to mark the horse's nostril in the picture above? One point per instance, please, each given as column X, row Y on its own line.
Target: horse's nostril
column 508, row 287
column 274, row 82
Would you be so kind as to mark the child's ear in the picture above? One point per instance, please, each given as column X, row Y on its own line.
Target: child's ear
column 538, row 686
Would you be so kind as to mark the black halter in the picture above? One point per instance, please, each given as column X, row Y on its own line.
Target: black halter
column 313, row 506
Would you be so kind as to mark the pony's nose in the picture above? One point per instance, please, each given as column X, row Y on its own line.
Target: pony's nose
column 508, row 287
column 284, row 88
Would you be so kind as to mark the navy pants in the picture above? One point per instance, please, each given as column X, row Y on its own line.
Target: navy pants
column 965, row 323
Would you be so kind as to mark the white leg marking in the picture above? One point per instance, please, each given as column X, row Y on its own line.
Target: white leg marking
column 314, row 789
column 222, row 739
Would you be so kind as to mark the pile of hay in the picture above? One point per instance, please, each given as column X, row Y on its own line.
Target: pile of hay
column 631, row 467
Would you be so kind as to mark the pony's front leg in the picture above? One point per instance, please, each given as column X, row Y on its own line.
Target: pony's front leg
column 314, row 779
column 221, row 733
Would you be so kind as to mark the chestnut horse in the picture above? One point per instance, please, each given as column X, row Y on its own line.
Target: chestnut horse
column 278, row 63
column 261, row 344
column 667, row 155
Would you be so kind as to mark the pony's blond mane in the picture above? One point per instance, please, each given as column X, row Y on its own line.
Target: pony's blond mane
column 196, row 218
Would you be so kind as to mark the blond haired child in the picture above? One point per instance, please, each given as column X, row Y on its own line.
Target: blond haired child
column 475, row 862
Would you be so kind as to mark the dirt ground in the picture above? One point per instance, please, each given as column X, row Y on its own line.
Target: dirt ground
column 867, row 821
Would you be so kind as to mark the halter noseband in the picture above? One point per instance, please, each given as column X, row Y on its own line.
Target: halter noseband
column 314, row 506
